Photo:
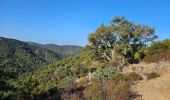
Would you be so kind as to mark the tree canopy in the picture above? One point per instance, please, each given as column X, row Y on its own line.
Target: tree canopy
column 122, row 38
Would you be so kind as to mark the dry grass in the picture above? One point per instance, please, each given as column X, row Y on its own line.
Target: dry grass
column 152, row 75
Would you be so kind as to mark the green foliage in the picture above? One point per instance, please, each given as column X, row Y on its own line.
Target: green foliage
column 61, row 73
column 18, row 57
column 65, row 50
column 6, row 90
column 139, row 55
column 67, row 82
column 18, row 61
column 24, row 87
column 104, row 74
column 25, row 70
column 121, row 37
column 158, row 47
column 158, row 51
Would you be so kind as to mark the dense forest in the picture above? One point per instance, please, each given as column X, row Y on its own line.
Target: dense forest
column 50, row 72
column 17, row 58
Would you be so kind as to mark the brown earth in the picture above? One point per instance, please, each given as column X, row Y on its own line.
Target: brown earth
column 154, row 89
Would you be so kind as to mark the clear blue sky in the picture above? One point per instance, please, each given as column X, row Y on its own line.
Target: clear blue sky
column 70, row 21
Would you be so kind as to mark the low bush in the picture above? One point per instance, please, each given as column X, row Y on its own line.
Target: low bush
column 94, row 92
column 134, row 77
column 116, row 88
column 114, row 91
column 67, row 82
column 158, row 47
column 158, row 51
column 152, row 75
column 102, row 75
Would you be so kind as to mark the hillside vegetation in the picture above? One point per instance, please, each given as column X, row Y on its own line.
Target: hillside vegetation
column 158, row 51
column 97, row 72
column 65, row 50
column 18, row 57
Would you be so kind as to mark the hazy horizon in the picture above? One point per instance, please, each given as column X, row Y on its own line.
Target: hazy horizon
column 65, row 22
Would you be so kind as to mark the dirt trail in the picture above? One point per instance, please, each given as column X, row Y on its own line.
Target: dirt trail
column 154, row 89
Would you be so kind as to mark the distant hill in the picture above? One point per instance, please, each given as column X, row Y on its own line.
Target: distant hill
column 17, row 57
column 66, row 50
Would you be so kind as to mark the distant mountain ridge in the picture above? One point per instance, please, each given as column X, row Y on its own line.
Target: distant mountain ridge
column 18, row 57
column 66, row 50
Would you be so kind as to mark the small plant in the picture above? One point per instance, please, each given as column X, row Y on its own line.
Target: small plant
column 134, row 76
column 94, row 92
column 117, row 91
column 152, row 75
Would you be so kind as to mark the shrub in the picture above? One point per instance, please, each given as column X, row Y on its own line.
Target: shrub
column 115, row 88
column 94, row 92
column 67, row 82
column 164, row 56
column 158, row 51
column 158, row 47
column 139, row 55
column 114, row 91
column 108, row 91
column 152, row 75
column 104, row 74
column 134, row 77
column 126, row 78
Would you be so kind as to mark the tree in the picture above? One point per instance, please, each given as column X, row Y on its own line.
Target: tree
column 121, row 37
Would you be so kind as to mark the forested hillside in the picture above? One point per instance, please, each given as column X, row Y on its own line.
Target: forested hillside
column 66, row 50
column 18, row 57
column 94, row 74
